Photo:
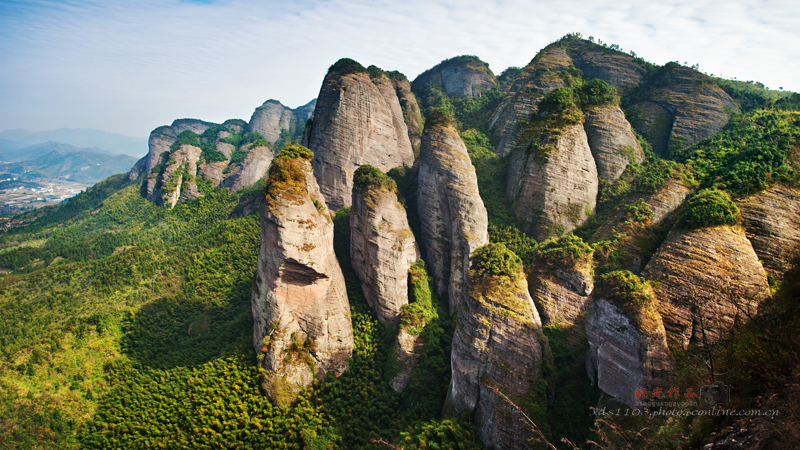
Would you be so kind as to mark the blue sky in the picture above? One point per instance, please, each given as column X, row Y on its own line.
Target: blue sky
column 130, row 66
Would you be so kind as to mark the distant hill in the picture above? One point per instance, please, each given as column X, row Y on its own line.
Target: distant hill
column 79, row 165
column 39, row 150
column 113, row 143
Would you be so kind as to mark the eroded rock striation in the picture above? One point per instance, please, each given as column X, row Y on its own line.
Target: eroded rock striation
column 561, row 294
column 462, row 76
column 451, row 211
column 772, row 221
column 626, row 353
column 706, row 278
column 554, row 190
column 611, row 140
column 382, row 246
column 497, row 358
column 358, row 120
column 302, row 326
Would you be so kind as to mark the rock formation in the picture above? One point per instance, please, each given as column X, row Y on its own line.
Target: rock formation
column 358, row 120
column 496, row 348
column 382, row 246
column 706, row 278
column 462, row 76
column 160, row 141
column 539, row 78
column 682, row 107
column 302, row 325
column 772, row 221
column 411, row 112
column 451, row 211
column 407, row 348
column 616, row 68
column 561, row 294
column 626, row 354
column 251, row 169
column 611, row 140
column 554, row 190
column 272, row 118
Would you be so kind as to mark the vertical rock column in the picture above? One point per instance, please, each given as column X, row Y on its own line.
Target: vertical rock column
column 382, row 246
column 454, row 220
column 497, row 357
column 302, row 319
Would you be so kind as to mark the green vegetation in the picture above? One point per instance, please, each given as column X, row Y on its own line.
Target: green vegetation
column 565, row 251
column 496, row 260
column 439, row 117
column 597, row 93
column 560, row 106
column 753, row 151
column 710, row 207
column 422, row 297
column 367, row 178
column 344, row 67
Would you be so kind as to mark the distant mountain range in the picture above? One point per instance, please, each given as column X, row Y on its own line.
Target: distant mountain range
column 68, row 162
column 112, row 143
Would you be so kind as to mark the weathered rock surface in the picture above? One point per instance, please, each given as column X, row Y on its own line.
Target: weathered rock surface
column 451, row 211
column 611, row 140
column 682, row 107
column 160, row 140
column 356, row 122
column 616, row 68
column 253, row 168
column 182, row 162
column 462, row 76
column 271, row 118
column 623, row 355
column 407, row 349
column 411, row 112
column 700, row 274
column 496, row 347
column 300, row 303
column 553, row 194
column 382, row 249
column 772, row 221
column 561, row 294
column 540, row 76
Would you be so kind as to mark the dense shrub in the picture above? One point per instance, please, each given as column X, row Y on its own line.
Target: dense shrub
column 560, row 105
column 564, row 251
column 368, row 177
column 295, row 151
column 624, row 286
column 596, row 93
column 439, row 116
column 710, row 207
column 496, row 260
column 344, row 67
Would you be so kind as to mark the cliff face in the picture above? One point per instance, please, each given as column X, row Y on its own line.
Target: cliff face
column 411, row 112
column 700, row 274
column 159, row 142
column 251, row 169
column 357, row 121
column 462, row 76
column 382, row 249
column 553, row 193
column 302, row 325
column 611, row 140
column 623, row 355
column 618, row 69
column 561, row 294
column 772, row 221
column 272, row 118
column 496, row 348
column 679, row 107
column 451, row 211
column 541, row 76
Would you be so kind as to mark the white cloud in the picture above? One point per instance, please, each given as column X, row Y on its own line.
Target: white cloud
column 131, row 66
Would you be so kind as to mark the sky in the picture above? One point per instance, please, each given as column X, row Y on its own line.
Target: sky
column 130, row 66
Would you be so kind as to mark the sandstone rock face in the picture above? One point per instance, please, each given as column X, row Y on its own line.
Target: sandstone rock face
column 407, row 349
column 561, row 295
column 270, row 119
column 772, row 221
column 462, row 76
column 541, row 76
column 622, row 357
column 356, row 122
column 496, row 346
column 300, row 303
column 682, row 107
column 160, row 140
column 618, row 69
column 701, row 273
column 253, row 168
column 411, row 112
column 382, row 249
column 611, row 140
column 452, row 214
column 182, row 162
column 554, row 194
